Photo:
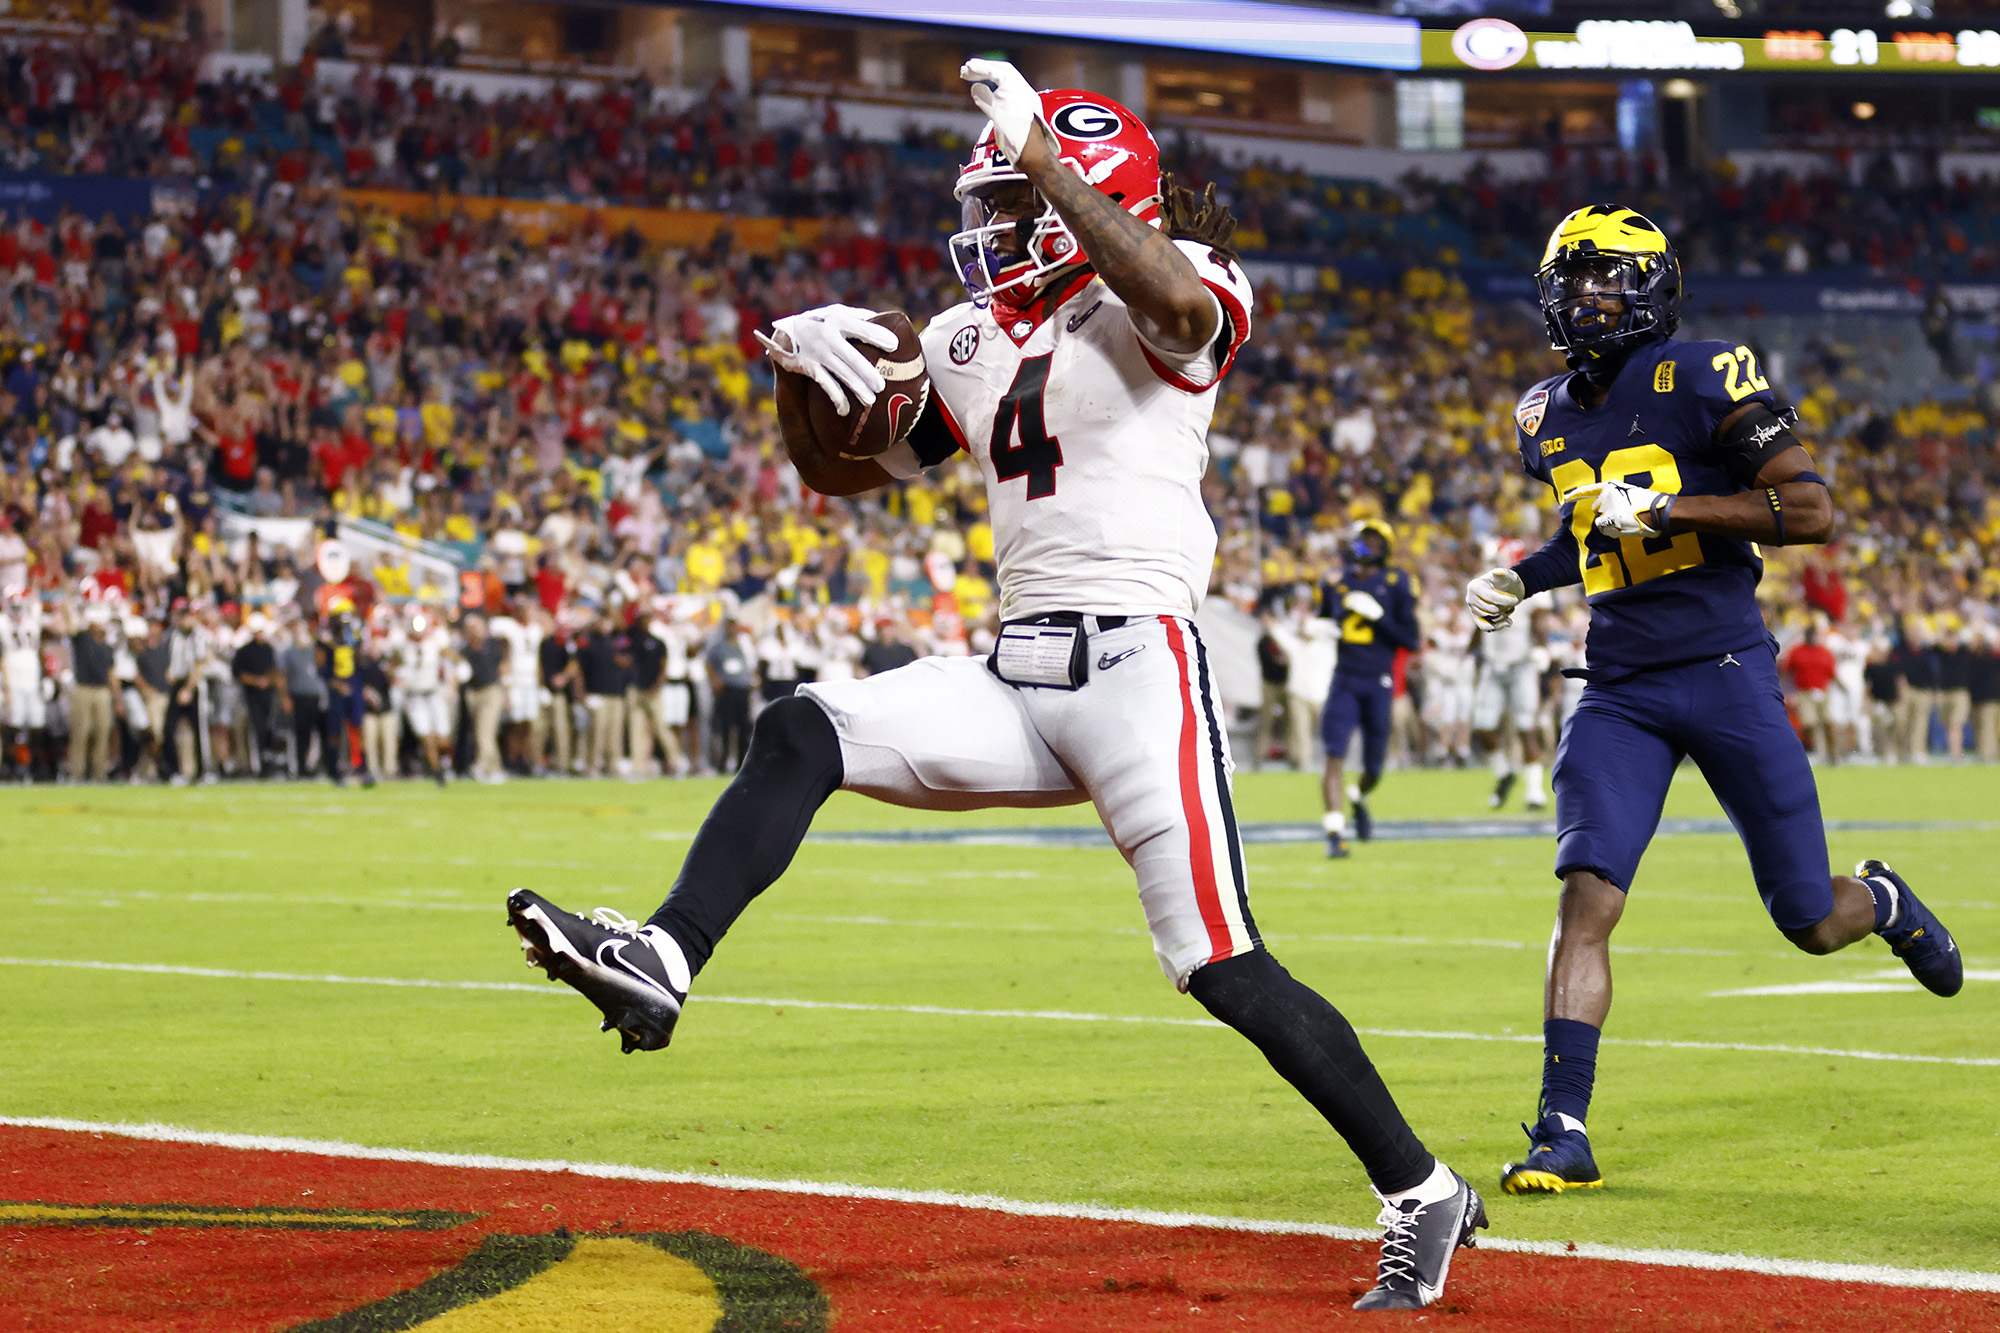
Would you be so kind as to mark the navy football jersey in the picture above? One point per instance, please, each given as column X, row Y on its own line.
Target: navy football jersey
column 1653, row 600
column 1368, row 647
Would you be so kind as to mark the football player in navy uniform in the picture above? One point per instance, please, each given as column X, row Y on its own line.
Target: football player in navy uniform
column 338, row 656
column 1672, row 462
column 1376, row 611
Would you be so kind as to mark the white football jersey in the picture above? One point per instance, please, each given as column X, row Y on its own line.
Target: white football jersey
column 1092, row 442
column 1509, row 646
column 524, row 649
column 21, row 645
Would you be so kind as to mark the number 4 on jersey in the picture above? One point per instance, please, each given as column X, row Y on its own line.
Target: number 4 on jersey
column 1038, row 455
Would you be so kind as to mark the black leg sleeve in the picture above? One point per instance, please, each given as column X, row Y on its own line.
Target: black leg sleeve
column 1315, row 1050
column 755, row 827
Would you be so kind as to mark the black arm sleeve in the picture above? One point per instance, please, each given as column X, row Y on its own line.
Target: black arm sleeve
column 1554, row 566
column 933, row 437
column 1754, row 439
column 1399, row 618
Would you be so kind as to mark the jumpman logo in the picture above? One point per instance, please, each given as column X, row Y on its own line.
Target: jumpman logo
column 1729, row 659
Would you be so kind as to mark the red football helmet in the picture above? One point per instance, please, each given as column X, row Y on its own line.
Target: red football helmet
column 1102, row 142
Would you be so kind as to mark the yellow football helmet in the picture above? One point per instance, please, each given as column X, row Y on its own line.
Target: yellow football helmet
column 1609, row 280
column 1370, row 542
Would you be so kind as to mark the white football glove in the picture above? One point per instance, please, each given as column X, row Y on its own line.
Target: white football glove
column 1493, row 596
column 1626, row 511
column 815, row 344
column 1008, row 101
column 1363, row 605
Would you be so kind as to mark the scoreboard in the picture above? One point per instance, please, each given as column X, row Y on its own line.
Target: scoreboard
column 1493, row 44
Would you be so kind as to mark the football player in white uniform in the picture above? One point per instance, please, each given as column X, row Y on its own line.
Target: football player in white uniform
column 1449, row 670
column 521, row 630
column 23, row 707
column 1509, row 690
column 420, row 682
column 1082, row 378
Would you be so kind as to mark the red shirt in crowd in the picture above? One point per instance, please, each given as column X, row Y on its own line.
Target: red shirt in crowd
column 549, row 588
column 1825, row 591
column 1811, row 665
column 96, row 524
column 238, row 454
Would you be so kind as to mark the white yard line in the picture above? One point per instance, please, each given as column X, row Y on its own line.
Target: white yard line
column 1890, row 982
column 1935, row 1279
column 1042, row 1015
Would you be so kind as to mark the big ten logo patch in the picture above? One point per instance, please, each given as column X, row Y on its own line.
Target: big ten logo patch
column 1554, row 446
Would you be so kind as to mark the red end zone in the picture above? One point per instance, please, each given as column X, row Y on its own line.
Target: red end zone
column 104, row 1234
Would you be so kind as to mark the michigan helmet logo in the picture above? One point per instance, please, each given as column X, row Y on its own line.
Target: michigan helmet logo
column 1609, row 280
column 1604, row 229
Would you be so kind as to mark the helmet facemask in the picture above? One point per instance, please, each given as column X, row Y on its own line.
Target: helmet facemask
column 1010, row 238
column 1366, row 546
column 1602, row 303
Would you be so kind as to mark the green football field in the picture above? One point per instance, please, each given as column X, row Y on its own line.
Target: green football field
column 1431, row 946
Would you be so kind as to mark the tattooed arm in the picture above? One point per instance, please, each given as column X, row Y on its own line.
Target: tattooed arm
column 1146, row 270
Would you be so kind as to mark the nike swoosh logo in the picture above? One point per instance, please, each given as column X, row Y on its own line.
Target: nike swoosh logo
column 1075, row 322
column 616, row 948
column 1105, row 661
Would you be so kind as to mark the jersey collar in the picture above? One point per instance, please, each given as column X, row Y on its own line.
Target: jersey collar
column 1020, row 322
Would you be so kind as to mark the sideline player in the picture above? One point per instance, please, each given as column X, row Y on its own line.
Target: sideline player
column 1671, row 462
column 1448, row 684
column 22, row 706
column 420, row 681
column 1510, row 691
column 520, row 628
column 338, row 656
column 1376, row 610
column 1082, row 378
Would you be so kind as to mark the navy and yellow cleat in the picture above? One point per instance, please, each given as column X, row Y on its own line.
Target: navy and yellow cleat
column 1558, row 1159
column 1364, row 823
column 1336, row 847
column 1918, row 937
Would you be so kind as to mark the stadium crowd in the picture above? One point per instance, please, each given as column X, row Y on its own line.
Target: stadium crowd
column 195, row 403
column 134, row 103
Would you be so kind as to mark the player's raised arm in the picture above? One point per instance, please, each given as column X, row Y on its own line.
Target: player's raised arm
column 1137, row 261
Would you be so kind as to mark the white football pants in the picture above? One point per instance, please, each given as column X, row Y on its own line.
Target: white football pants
column 1142, row 740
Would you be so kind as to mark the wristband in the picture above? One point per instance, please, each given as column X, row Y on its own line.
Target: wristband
column 1658, row 516
column 1777, row 511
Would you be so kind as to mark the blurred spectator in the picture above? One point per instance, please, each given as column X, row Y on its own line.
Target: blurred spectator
column 1810, row 665
column 731, row 662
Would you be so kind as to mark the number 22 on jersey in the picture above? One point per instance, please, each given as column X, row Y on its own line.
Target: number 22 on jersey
column 1620, row 562
column 1039, row 454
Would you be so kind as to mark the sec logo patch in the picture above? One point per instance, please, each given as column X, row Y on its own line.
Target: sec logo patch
column 964, row 344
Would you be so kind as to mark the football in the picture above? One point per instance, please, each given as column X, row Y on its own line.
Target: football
column 866, row 432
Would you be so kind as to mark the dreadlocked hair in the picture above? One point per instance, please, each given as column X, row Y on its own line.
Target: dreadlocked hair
column 1186, row 217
